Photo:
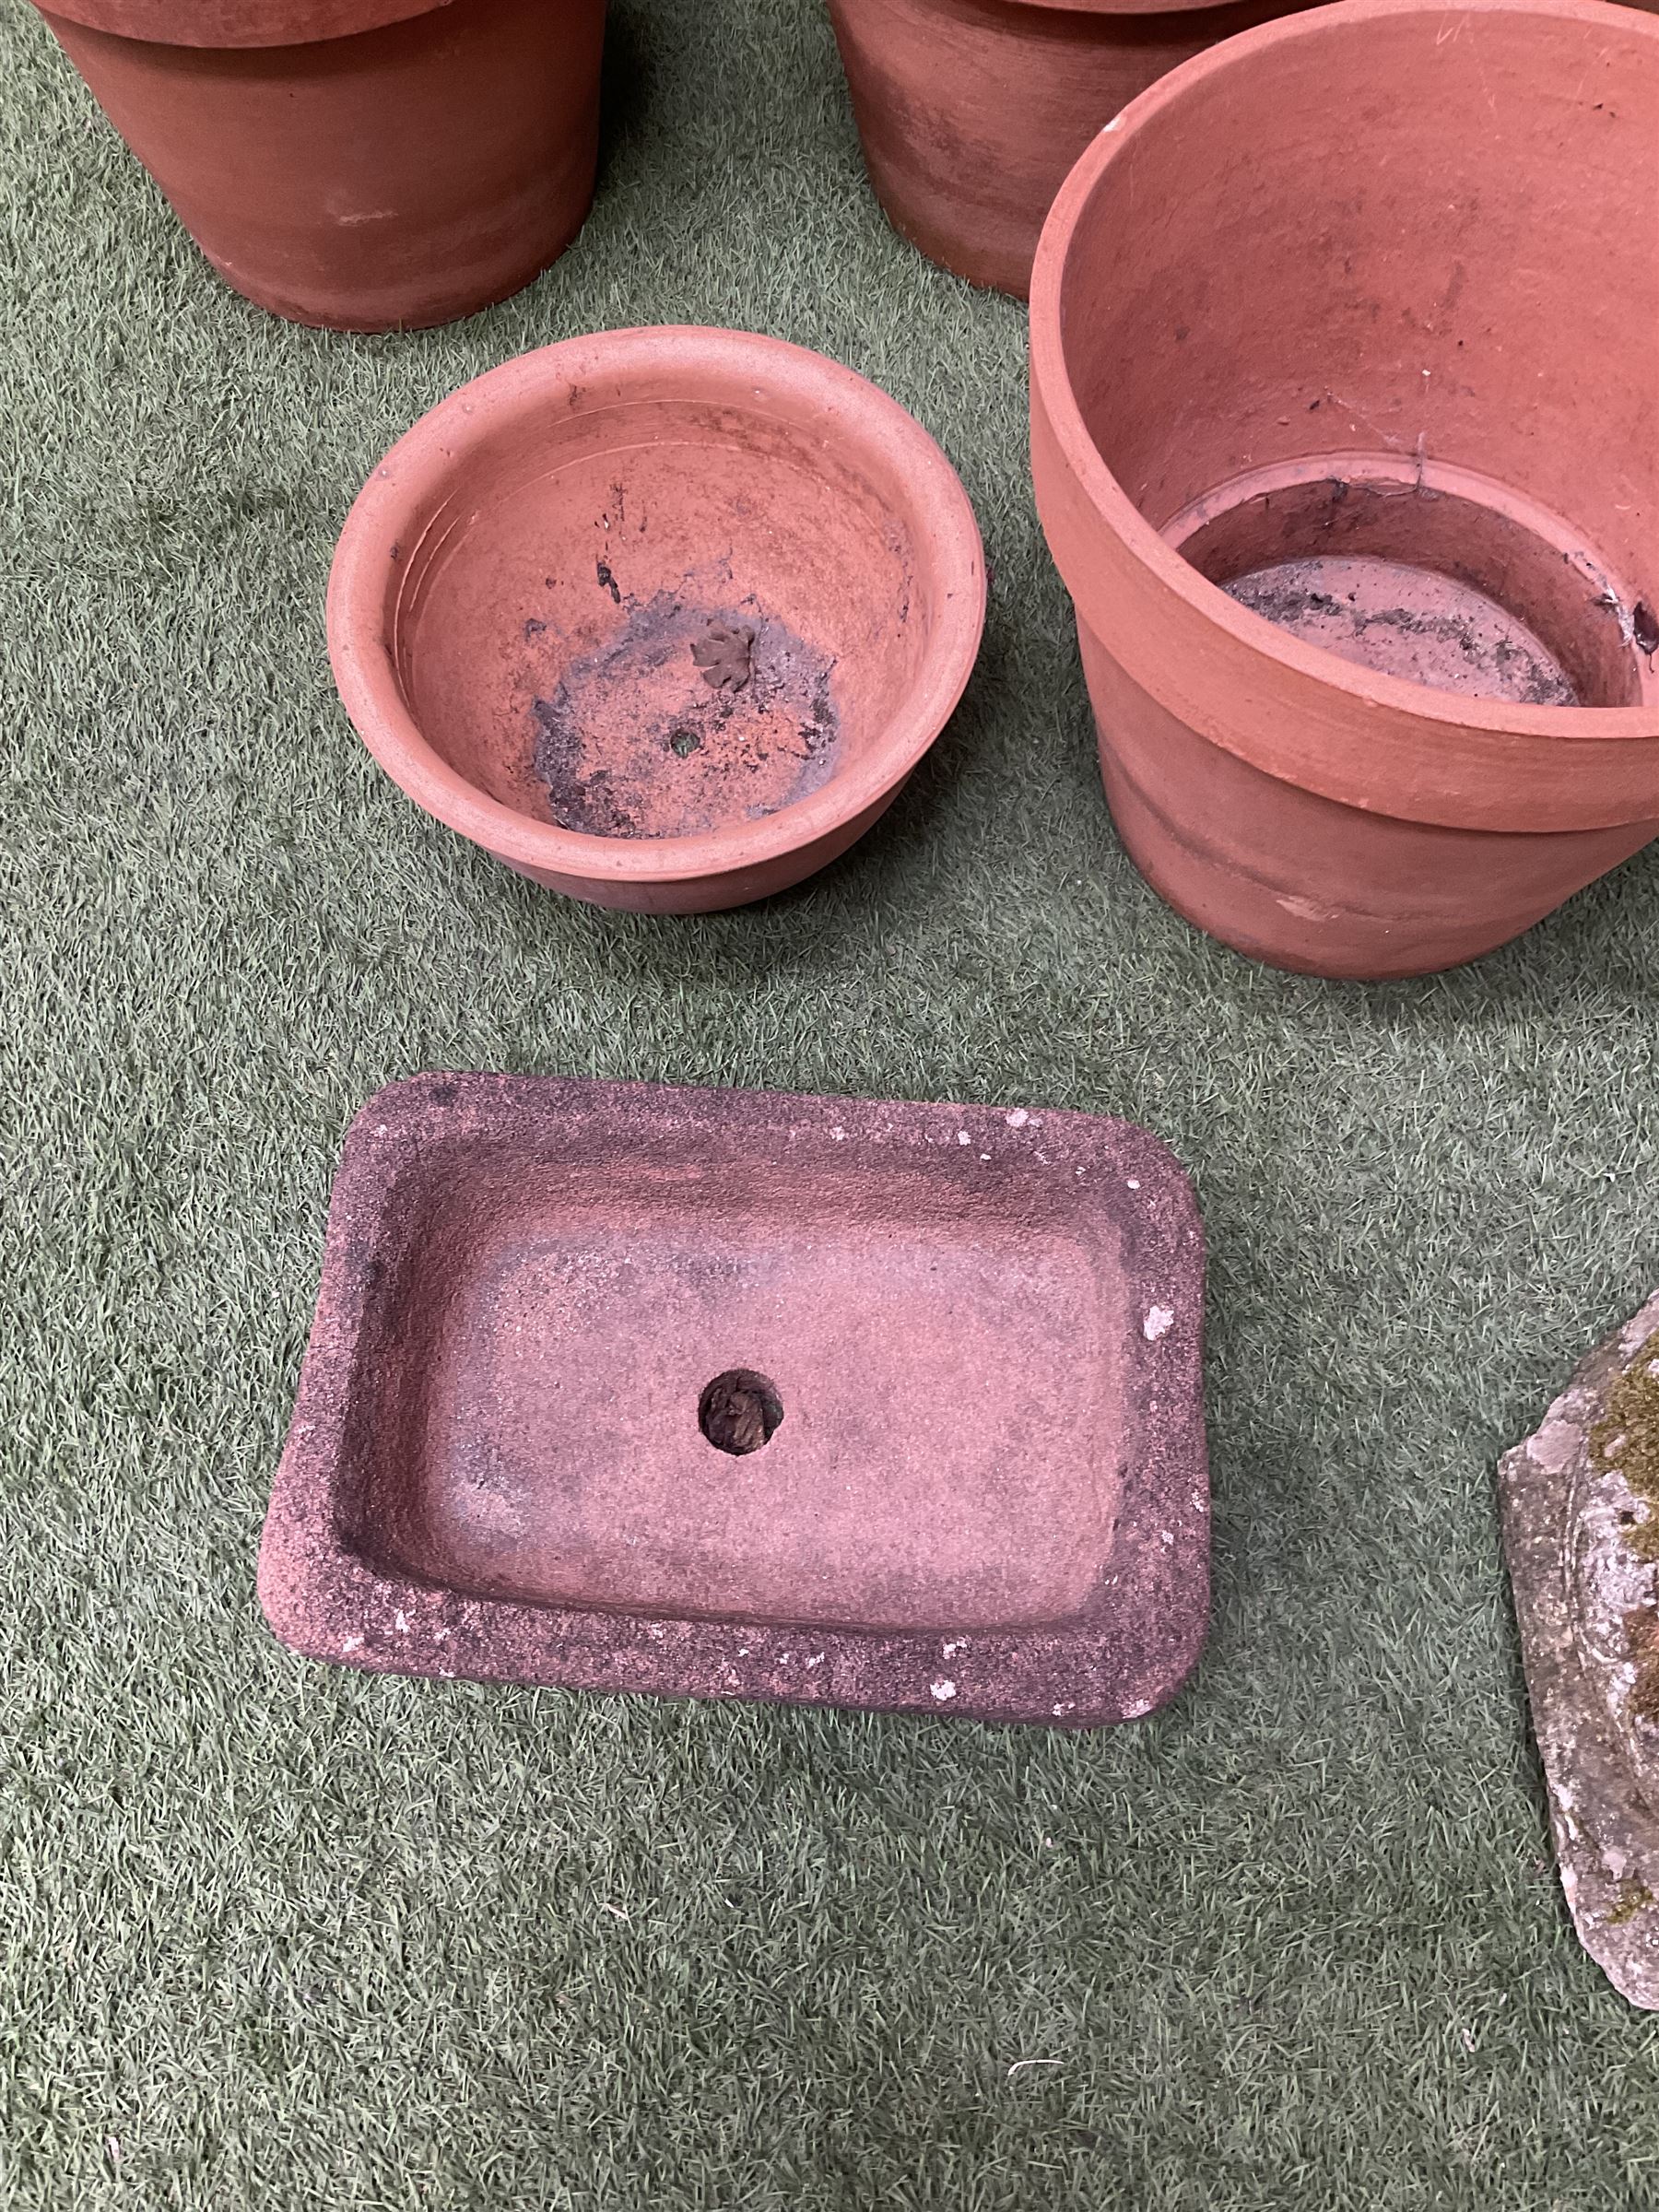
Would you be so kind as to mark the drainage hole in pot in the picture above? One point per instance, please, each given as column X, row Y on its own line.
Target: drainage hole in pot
column 739, row 1411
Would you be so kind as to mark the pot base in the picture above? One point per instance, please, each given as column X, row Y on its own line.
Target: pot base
column 392, row 179
column 971, row 112
column 1305, row 882
column 1427, row 573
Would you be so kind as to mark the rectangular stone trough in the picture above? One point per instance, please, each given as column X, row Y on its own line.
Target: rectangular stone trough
column 726, row 1393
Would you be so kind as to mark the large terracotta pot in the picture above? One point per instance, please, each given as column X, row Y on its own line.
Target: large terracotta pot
column 663, row 618
column 1346, row 440
column 971, row 112
column 359, row 164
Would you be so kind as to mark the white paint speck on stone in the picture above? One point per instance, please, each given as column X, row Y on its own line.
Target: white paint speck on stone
column 963, row 1137
column 352, row 1644
column 400, row 1621
column 816, row 1659
column 1133, row 1184
column 1160, row 1321
column 951, row 1650
column 1018, row 1118
column 944, row 1691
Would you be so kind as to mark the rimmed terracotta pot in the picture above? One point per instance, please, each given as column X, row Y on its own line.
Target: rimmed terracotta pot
column 356, row 164
column 1343, row 439
column 971, row 112
column 662, row 617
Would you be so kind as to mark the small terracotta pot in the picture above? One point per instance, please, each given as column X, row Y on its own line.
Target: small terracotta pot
column 356, row 164
column 972, row 111
column 663, row 618
column 1392, row 385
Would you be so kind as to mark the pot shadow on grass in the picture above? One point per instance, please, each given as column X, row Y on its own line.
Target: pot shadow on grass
column 1591, row 946
column 627, row 85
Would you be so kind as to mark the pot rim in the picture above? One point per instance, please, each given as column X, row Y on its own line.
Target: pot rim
column 1118, row 7
column 1087, row 7
column 1454, row 713
column 856, row 417
column 235, row 23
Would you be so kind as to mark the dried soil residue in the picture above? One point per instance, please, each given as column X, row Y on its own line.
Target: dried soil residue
column 689, row 718
column 1411, row 623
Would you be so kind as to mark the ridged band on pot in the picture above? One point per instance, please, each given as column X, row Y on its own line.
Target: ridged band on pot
column 971, row 112
column 356, row 164
column 634, row 388
column 1282, row 743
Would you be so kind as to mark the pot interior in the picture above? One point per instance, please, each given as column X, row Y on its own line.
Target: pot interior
column 697, row 1376
column 1362, row 318
column 659, row 618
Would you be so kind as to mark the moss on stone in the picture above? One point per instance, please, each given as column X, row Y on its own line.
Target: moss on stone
column 1633, row 1894
column 1627, row 1439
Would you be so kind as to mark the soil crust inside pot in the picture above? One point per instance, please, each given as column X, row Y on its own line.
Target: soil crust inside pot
column 1410, row 623
column 690, row 716
column 1426, row 574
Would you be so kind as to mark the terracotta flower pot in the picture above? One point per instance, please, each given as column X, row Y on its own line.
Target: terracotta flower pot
column 971, row 112
column 1343, row 439
column 663, row 618
column 359, row 164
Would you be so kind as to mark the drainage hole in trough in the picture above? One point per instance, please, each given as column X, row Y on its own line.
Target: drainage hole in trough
column 739, row 1411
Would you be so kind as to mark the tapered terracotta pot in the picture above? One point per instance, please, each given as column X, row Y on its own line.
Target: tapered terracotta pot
column 1346, row 440
column 971, row 112
column 358, row 164
column 663, row 618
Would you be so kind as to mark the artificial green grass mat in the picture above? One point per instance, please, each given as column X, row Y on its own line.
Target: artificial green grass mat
column 276, row 1935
